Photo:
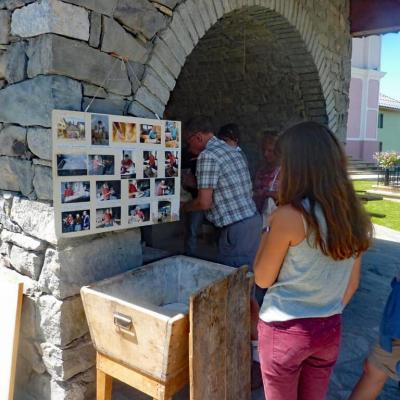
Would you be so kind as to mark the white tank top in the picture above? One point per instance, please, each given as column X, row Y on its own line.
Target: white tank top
column 309, row 284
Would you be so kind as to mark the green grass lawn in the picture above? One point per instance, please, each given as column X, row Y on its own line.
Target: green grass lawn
column 391, row 209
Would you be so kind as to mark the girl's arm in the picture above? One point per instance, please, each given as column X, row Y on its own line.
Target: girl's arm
column 354, row 281
column 286, row 229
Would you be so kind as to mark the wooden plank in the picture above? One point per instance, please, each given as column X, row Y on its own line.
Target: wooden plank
column 11, row 294
column 238, row 338
column 103, row 386
column 146, row 384
column 219, row 340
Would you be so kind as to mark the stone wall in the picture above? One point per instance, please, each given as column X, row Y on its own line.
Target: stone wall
column 59, row 54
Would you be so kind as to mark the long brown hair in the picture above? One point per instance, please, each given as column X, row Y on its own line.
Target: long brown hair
column 314, row 166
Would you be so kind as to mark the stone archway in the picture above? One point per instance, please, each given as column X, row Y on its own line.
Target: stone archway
column 314, row 54
column 251, row 68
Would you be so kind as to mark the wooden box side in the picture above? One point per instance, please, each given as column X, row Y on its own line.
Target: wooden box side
column 141, row 347
column 177, row 346
column 219, row 340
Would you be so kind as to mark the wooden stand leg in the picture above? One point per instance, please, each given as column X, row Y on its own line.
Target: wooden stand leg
column 104, row 386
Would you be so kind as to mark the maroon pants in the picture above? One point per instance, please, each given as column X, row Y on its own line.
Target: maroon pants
column 297, row 357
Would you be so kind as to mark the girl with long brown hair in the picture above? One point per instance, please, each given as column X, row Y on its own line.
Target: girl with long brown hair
column 310, row 262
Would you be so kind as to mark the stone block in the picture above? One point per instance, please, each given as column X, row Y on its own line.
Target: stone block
column 60, row 322
column 182, row 33
column 51, row 16
column 4, row 26
column 184, row 12
column 16, row 175
column 168, row 36
column 40, row 142
column 101, row 6
column 168, row 3
column 24, row 241
column 32, row 101
column 156, row 86
column 13, row 4
column 43, row 182
column 105, row 106
column 26, row 262
column 94, row 91
column 35, row 218
column 138, row 110
column 147, row 99
column 95, row 29
column 196, row 17
column 16, row 63
column 52, row 54
column 140, row 16
column 78, row 262
column 28, row 353
column 162, row 51
column 117, row 40
column 13, row 141
column 63, row 364
column 162, row 72
column 135, row 73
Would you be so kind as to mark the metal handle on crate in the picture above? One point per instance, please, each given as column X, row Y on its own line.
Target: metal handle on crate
column 122, row 321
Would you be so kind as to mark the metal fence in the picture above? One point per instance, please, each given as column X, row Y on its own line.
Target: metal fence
column 389, row 177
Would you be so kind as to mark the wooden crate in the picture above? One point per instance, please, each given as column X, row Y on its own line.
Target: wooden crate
column 139, row 324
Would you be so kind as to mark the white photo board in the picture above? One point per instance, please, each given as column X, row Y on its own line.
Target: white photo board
column 10, row 314
column 113, row 172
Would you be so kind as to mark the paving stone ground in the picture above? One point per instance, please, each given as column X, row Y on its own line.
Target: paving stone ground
column 360, row 322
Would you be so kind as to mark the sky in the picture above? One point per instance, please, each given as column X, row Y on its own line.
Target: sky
column 390, row 63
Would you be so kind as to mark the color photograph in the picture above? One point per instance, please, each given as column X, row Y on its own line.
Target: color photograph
column 165, row 187
column 150, row 134
column 100, row 134
column 71, row 128
column 124, row 132
column 150, row 164
column 108, row 217
column 138, row 214
column 75, row 192
column 171, row 134
column 108, row 190
column 101, row 164
column 71, row 164
column 164, row 212
column 75, row 221
column 138, row 188
column 171, row 164
column 128, row 167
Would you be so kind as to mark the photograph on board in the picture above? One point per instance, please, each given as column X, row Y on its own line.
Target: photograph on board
column 71, row 128
column 172, row 134
column 171, row 164
column 100, row 134
column 150, row 134
column 101, row 164
column 128, row 166
column 138, row 188
column 75, row 192
column 150, row 164
column 164, row 212
column 75, row 221
column 108, row 190
column 138, row 213
column 71, row 164
column 124, row 132
column 165, row 187
column 108, row 217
